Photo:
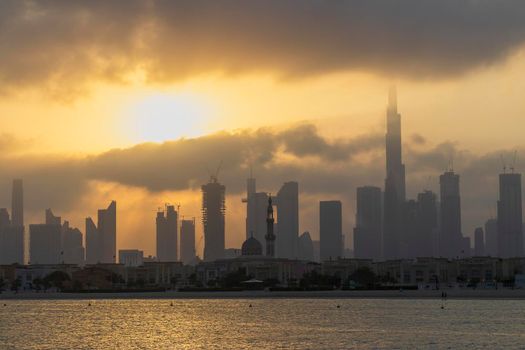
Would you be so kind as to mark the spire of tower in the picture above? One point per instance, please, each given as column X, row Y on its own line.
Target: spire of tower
column 392, row 98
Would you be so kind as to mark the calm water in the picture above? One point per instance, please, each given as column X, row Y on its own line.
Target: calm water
column 268, row 324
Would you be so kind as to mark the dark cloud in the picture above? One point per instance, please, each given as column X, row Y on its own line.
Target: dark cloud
column 63, row 45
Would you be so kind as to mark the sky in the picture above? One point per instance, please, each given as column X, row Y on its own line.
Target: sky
column 139, row 101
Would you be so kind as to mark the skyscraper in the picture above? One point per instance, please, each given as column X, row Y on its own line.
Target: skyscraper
column 45, row 241
column 510, row 229
column 213, row 210
column 270, row 236
column 368, row 223
column 330, row 230
column 287, row 202
column 451, row 239
column 17, row 203
column 187, row 241
column 394, row 195
column 72, row 247
column 491, row 237
column 167, row 232
column 426, row 224
column 101, row 241
column 256, row 205
column 107, row 233
column 11, row 240
column 479, row 242
column 92, row 245
column 306, row 247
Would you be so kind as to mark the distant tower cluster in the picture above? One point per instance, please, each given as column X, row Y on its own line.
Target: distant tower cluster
column 213, row 212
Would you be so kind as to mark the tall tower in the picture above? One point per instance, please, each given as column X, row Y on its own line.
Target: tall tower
column 213, row 210
column 287, row 202
column 187, row 242
column 510, row 230
column 270, row 236
column 330, row 230
column 394, row 195
column 17, row 203
column 256, row 203
column 107, row 233
column 450, row 239
column 368, row 223
column 167, row 232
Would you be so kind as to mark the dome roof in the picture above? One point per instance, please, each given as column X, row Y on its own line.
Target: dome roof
column 251, row 246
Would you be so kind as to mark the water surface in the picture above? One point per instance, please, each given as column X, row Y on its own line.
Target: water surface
column 268, row 324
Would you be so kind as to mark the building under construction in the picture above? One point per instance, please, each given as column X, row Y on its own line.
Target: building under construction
column 213, row 210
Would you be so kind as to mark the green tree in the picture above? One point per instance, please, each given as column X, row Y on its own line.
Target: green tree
column 365, row 277
column 57, row 279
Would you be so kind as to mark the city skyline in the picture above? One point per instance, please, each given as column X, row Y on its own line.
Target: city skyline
column 460, row 99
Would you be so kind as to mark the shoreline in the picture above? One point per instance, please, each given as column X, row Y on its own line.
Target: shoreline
column 336, row 294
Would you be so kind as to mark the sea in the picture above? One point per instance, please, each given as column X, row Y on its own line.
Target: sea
column 325, row 323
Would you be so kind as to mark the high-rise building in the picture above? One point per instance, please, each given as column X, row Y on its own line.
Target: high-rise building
column 72, row 247
column 12, row 231
column 17, row 203
column 213, row 210
column 451, row 239
column 107, row 233
column 330, row 230
column 101, row 240
column 287, row 202
column 306, row 247
column 410, row 235
column 491, row 237
column 395, row 192
column 187, row 242
column 256, row 205
column 167, row 231
column 51, row 219
column 270, row 236
column 45, row 244
column 92, row 245
column 479, row 242
column 426, row 224
column 510, row 229
column 368, row 223
column 11, row 240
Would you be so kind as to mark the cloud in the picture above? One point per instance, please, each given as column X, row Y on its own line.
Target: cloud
column 325, row 169
column 64, row 46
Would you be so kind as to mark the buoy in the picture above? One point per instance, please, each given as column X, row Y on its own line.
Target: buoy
column 250, row 305
column 5, row 304
column 171, row 304
column 89, row 304
column 338, row 306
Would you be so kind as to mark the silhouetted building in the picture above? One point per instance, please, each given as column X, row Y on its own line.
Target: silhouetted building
column 167, row 232
column 11, row 240
column 187, row 242
column 107, row 233
column 12, row 231
column 410, row 235
column 426, row 224
column 451, row 239
column 213, row 210
column 287, row 202
column 395, row 192
column 101, row 240
column 72, row 247
column 510, row 234
column 479, row 242
column 251, row 247
column 306, row 247
column 368, row 222
column 330, row 230
column 317, row 250
column 131, row 257
column 92, row 245
column 491, row 237
column 45, row 244
column 270, row 236
column 256, row 205
column 51, row 219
